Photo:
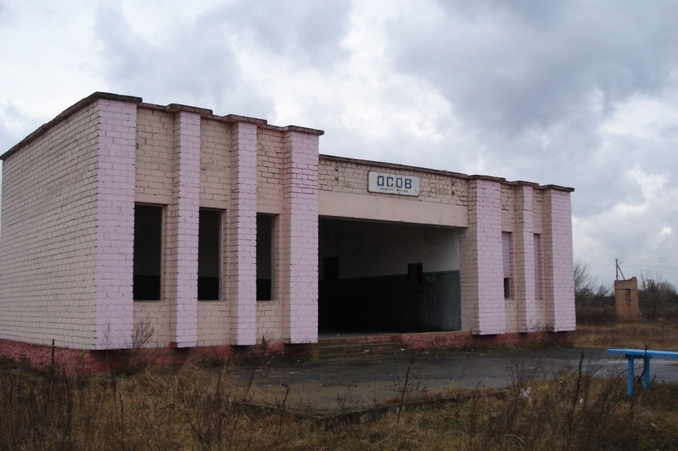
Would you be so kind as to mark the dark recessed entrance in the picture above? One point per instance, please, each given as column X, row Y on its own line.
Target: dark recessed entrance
column 388, row 277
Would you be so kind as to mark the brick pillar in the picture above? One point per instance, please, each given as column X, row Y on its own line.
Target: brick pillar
column 558, row 261
column 241, row 238
column 626, row 303
column 182, row 232
column 482, row 289
column 524, row 272
column 114, row 314
column 299, row 235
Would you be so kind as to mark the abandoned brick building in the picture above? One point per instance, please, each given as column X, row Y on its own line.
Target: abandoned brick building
column 222, row 231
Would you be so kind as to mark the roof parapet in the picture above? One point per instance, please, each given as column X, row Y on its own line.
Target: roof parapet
column 171, row 108
column 460, row 175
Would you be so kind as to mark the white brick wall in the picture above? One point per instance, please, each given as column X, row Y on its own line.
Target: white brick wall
column 270, row 162
column 182, row 231
column 299, row 248
column 558, row 261
column 215, row 164
column 346, row 176
column 524, row 261
column 242, row 236
column 482, row 272
column 47, row 251
column 154, row 156
column 114, row 316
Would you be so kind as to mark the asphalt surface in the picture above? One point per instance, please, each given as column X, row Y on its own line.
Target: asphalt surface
column 360, row 381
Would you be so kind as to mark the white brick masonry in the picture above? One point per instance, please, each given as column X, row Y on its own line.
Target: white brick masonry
column 300, row 237
column 182, row 231
column 242, row 236
column 524, row 273
column 558, row 261
column 482, row 294
column 69, row 190
column 114, row 315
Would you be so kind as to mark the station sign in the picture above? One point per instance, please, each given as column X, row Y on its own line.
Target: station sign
column 404, row 185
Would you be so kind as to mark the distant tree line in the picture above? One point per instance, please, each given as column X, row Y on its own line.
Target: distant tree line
column 657, row 298
column 594, row 301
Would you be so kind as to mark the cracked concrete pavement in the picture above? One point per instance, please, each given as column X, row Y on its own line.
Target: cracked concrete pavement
column 362, row 380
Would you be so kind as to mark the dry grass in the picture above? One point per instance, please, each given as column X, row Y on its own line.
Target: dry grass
column 661, row 334
column 193, row 407
column 197, row 408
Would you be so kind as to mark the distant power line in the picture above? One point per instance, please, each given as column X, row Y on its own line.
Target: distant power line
column 652, row 266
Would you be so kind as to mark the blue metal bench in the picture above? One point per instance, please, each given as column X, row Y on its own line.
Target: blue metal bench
column 645, row 354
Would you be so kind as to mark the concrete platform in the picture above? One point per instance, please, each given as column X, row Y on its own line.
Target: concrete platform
column 368, row 379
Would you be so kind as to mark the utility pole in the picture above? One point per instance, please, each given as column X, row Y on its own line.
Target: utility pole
column 618, row 269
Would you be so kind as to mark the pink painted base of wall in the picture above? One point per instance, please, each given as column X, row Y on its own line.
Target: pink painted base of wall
column 459, row 340
column 74, row 361
column 77, row 361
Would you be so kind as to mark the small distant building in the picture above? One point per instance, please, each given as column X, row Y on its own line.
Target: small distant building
column 225, row 231
column 626, row 305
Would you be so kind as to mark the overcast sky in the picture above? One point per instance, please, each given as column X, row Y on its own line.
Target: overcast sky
column 575, row 93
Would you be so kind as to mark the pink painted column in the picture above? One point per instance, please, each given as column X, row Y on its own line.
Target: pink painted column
column 242, row 236
column 182, row 231
column 299, row 272
column 558, row 261
column 481, row 271
column 524, row 274
column 114, row 314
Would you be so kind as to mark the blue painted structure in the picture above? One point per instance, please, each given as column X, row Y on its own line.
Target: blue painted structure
column 645, row 354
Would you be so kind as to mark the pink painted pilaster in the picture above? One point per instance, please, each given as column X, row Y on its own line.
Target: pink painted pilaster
column 299, row 272
column 114, row 316
column 481, row 271
column 558, row 261
column 182, row 231
column 523, row 276
column 242, row 236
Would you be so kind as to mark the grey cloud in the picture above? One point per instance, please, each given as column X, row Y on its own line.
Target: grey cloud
column 308, row 32
column 7, row 140
column 500, row 65
column 523, row 72
column 29, row 123
column 4, row 13
column 199, row 64
column 196, row 66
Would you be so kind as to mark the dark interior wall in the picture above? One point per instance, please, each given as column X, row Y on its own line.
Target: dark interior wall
column 209, row 253
column 391, row 304
column 388, row 277
column 147, row 260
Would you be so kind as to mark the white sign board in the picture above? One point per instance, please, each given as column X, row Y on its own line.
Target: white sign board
column 404, row 185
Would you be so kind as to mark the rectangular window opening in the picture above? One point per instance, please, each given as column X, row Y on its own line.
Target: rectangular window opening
column 265, row 257
column 209, row 255
column 537, row 266
column 506, row 258
column 147, row 260
column 507, row 288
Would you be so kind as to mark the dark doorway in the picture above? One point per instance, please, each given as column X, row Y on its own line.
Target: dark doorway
column 387, row 277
